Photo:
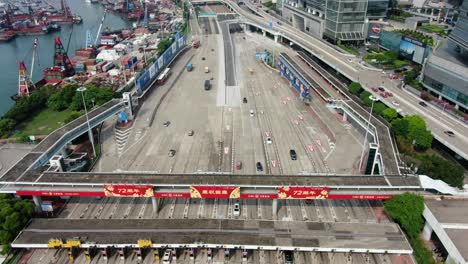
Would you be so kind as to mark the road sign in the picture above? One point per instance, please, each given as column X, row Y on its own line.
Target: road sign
column 261, row 55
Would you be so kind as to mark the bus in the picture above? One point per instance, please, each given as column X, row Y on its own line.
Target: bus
column 163, row 76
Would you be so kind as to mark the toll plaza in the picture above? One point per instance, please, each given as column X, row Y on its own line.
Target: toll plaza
column 215, row 234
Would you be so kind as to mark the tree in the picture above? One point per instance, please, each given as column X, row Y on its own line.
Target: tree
column 417, row 131
column 406, row 209
column 99, row 95
column 25, row 107
column 441, row 169
column 14, row 215
column 414, row 129
column 7, row 125
column 355, row 88
column 365, row 98
column 379, row 108
column 163, row 45
column 389, row 114
column 73, row 115
column 400, row 127
column 62, row 99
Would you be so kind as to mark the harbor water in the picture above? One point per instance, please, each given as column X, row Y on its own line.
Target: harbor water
column 73, row 36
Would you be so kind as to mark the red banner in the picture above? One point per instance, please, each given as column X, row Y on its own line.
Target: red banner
column 359, row 196
column 259, row 196
column 293, row 192
column 59, row 193
column 128, row 190
column 222, row 192
column 171, row 195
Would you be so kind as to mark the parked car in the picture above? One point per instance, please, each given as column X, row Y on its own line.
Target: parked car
column 423, row 104
column 381, row 89
column 269, row 141
column 252, row 113
column 238, row 165
column 191, row 132
column 395, row 103
column 259, row 166
column 245, row 100
column 167, row 123
column 375, row 89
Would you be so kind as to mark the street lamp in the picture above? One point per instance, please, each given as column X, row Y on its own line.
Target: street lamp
column 90, row 132
column 373, row 98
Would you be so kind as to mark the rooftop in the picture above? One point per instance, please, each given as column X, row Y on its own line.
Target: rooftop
column 449, row 211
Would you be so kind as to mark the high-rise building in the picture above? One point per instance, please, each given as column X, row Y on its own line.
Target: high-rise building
column 445, row 73
column 336, row 20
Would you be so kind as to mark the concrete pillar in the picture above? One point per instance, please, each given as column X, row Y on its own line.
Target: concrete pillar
column 154, row 201
column 264, row 33
column 432, row 15
column 276, row 38
column 37, row 201
column 446, row 14
column 63, row 152
column 451, row 259
column 314, row 12
column 427, row 231
column 345, row 117
column 91, row 137
column 274, row 208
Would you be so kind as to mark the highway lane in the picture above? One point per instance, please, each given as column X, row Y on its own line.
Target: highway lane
column 437, row 121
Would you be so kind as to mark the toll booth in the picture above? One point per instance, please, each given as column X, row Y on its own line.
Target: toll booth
column 143, row 247
column 90, row 253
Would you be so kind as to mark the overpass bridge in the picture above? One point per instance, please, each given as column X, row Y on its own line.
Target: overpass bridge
column 57, row 140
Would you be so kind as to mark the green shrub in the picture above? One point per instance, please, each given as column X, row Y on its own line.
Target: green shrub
column 365, row 98
column 355, row 88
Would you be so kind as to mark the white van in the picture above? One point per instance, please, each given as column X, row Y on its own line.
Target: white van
column 236, row 210
column 167, row 256
column 252, row 113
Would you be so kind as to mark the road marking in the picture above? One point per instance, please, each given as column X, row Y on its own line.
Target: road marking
column 311, row 148
column 187, row 204
column 273, row 163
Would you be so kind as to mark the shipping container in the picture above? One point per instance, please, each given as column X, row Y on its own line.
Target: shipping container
column 108, row 66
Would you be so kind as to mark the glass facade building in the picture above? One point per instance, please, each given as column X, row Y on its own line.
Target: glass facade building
column 446, row 70
column 344, row 19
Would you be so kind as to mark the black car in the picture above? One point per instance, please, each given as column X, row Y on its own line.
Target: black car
column 423, row 104
column 259, row 166
column 245, row 100
column 293, row 154
column 449, row 133
column 288, row 257
column 381, row 89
